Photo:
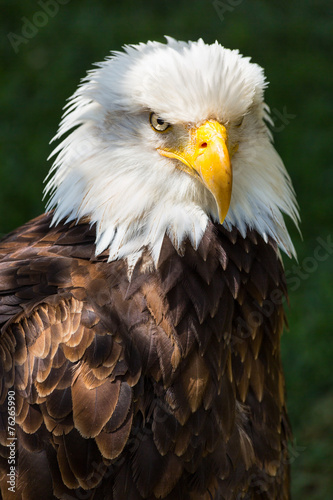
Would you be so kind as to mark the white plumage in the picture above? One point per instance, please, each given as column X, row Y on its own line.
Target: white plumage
column 113, row 149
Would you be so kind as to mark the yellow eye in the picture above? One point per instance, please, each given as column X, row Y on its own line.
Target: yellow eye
column 158, row 123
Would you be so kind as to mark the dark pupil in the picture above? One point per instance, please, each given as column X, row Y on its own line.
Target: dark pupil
column 160, row 121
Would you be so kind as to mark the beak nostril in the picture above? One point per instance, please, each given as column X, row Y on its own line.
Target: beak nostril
column 204, row 145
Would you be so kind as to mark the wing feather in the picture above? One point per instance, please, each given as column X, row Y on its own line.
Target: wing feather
column 69, row 371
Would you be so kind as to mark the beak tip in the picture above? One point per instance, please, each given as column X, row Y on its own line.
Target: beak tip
column 223, row 210
column 222, row 217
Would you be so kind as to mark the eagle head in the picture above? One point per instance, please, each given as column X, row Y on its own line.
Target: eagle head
column 163, row 139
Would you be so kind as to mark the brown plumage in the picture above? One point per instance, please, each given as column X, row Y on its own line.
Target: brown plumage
column 166, row 385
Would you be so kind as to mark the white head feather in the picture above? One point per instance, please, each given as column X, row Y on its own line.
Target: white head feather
column 109, row 169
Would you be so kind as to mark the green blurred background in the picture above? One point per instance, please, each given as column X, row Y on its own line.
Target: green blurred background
column 293, row 42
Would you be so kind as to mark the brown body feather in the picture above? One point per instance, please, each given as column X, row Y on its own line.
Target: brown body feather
column 168, row 385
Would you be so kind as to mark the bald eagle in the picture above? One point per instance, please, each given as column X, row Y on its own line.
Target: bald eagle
column 141, row 314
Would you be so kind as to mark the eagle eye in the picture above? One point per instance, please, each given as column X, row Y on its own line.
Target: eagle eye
column 158, row 123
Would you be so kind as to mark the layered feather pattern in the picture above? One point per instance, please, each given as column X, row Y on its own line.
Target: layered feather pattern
column 166, row 385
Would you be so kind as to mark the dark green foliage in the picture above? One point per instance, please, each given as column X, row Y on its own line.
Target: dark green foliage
column 292, row 41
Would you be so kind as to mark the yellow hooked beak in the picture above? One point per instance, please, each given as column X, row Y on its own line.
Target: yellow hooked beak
column 206, row 157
